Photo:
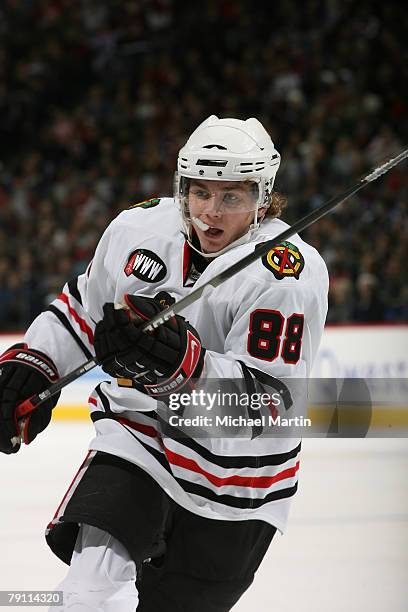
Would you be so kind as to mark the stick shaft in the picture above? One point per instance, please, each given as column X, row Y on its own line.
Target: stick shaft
column 28, row 405
column 263, row 249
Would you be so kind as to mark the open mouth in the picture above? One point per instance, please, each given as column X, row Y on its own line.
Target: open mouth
column 214, row 232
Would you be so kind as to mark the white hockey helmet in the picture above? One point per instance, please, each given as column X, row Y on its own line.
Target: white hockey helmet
column 227, row 150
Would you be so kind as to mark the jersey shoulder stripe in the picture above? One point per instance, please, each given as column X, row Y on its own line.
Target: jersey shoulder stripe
column 63, row 319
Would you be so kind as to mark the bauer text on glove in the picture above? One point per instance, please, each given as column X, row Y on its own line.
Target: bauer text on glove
column 24, row 372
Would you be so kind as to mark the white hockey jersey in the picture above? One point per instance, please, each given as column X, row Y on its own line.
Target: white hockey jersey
column 269, row 316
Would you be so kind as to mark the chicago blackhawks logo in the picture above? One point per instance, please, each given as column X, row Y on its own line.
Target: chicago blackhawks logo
column 146, row 265
column 146, row 203
column 284, row 260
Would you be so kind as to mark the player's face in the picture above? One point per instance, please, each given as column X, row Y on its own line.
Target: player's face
column 220, row 211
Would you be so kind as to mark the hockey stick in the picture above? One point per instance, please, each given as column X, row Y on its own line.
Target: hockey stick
column 30, row 404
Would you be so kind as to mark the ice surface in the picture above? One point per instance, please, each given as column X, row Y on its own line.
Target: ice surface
column 346, row 547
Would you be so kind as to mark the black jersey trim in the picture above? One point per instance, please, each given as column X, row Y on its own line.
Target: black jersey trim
column 271, row 381
column 202, row 491
column 65, row 322
column 104, row 400
column 158, row 455
column 252, row 413
column 106, row 413
column 74, row 291
column 238, row 462
column 236, row 502
column 206, row 493
column 227, row 462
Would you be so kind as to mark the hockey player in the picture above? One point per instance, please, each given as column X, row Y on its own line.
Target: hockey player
column 187, row 519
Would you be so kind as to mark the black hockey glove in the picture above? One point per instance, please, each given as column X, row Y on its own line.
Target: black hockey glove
column 159, row 362
column 23, row 373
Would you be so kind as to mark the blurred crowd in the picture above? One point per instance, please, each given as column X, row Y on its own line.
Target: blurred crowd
column 96, row 98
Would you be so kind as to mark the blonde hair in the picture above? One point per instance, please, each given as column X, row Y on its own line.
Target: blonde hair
column 278, row 203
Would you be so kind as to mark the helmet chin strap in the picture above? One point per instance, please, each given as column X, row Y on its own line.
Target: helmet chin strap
column 203, row 226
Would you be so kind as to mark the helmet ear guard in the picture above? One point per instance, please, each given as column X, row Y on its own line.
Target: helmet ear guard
column 227, row 150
